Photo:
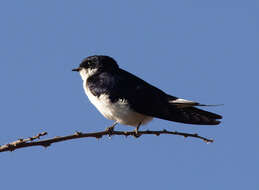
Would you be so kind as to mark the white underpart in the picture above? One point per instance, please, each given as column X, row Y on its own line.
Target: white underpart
column 182, row 102
column 118, row 111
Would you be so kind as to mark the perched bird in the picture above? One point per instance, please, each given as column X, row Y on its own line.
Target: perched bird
column 127, row 99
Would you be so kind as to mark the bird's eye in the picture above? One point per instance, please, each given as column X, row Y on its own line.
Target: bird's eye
column 90, row 63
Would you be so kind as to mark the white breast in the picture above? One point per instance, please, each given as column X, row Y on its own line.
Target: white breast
column 118, row 111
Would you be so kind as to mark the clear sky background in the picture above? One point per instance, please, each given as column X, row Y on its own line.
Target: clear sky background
column 201, row 50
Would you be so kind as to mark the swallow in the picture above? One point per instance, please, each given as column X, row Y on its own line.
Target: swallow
column 127, row 99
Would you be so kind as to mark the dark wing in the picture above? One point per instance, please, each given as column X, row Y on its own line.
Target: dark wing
column 142, row 97
column 149, row 100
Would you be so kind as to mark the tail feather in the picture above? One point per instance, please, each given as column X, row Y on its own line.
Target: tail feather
column 182, row 110
column 182, row 103
column 192, row 115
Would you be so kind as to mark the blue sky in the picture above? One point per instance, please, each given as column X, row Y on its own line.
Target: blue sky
column 201, row 50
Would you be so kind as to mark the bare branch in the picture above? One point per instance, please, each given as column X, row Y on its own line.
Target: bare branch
column 32, row 141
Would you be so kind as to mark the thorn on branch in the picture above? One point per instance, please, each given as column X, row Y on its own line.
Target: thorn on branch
column 78, row 133
column 46, row 145
column 136, row 135
column 98, row 136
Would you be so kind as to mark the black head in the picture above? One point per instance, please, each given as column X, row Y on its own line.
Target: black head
column 99, row 62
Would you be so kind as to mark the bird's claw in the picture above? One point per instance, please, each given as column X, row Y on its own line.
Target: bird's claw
column 136, row 133
column 110, row 130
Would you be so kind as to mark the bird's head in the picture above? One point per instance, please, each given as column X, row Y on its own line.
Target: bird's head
column 96, row 64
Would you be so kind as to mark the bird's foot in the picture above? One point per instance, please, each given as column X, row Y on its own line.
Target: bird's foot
column 110, row 130
column 136, row 133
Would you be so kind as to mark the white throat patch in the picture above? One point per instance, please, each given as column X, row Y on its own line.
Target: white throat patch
column 86, row 73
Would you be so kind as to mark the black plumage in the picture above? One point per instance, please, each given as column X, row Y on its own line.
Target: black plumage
column 140, row 95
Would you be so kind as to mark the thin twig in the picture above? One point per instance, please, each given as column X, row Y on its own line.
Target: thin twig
column 32, row 141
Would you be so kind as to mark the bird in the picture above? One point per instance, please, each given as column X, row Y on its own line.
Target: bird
column 129, row 100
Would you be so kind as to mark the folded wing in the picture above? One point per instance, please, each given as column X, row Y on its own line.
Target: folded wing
column 149, row 100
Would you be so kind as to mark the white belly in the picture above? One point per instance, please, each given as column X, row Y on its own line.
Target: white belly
column 118, row 111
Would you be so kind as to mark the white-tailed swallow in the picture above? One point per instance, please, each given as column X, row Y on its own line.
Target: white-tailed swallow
column 127, row 99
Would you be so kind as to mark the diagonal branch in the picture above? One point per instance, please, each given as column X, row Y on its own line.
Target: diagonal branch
column 34, row 141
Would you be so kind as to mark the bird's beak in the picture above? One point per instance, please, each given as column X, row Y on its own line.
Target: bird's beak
column 77, row 69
